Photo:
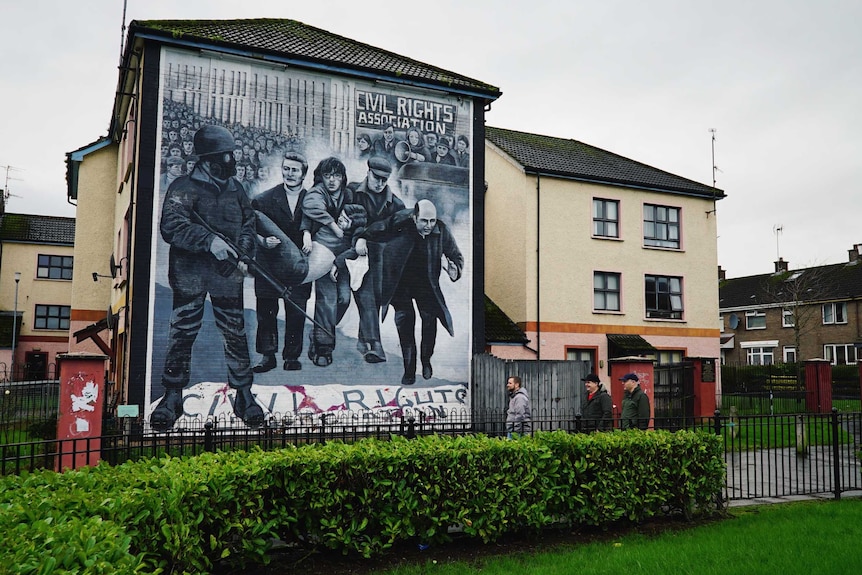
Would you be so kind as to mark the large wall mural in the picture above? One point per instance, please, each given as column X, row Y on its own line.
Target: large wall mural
column 312, row 248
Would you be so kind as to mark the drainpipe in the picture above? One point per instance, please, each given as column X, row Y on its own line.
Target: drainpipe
column 538, row 269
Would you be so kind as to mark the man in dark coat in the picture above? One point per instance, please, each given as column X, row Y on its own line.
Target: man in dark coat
column 282, row 207
column 636, row 410
column 204, row 214
column 597, row 410
column 380, row 203
column 415, row 243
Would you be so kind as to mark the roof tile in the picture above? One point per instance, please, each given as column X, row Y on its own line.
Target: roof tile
column 571, row 158
column 293, row 38
column 37, row 229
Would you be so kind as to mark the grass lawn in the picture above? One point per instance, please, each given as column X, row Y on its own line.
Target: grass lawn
column 778, row 431
column 807, row 538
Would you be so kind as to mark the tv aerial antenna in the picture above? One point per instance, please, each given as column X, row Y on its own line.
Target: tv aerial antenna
column 777, row 229
column 715, row 169
column 5, row 189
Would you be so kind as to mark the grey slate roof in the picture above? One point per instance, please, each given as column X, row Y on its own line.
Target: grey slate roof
column 574, row 159
column 293, row 39
column 499, row 328
column 833, row 282
column 35, row 229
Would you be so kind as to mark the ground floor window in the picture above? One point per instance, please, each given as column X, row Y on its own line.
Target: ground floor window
column 760, row 355
column 840, row 353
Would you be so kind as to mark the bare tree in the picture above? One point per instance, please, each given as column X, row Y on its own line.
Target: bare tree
column 800, row 294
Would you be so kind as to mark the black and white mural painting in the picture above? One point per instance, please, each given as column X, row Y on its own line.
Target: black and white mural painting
column 312, row 247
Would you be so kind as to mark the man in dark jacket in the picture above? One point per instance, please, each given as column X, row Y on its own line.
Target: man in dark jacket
column 204, row 214
column 597, row 411
column 636, row 411
column 282, row 206
column 415, row 243
column 374, row 194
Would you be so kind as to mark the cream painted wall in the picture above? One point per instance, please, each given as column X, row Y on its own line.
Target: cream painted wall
column 31, row 290
column 94, row 231
column 569, row 254
column 505, row 233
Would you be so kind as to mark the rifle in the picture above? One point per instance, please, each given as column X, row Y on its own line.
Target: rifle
column 257, row 269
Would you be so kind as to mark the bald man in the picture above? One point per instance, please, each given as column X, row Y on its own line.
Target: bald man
column 415, row 243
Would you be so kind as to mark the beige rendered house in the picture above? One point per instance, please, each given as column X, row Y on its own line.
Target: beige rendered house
column 597, row 256
column 36, row 271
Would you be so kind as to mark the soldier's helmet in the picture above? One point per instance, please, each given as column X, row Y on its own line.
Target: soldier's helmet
column 213, row 140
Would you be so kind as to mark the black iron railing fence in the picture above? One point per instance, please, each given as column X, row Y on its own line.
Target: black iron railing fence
column 766, row 455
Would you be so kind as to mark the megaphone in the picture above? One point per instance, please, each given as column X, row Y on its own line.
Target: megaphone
column 402, row 151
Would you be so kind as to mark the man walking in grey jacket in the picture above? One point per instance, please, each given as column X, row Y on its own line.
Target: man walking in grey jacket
column 518, row 414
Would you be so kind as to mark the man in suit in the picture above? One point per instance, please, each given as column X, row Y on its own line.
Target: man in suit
column 384, row 145
column 415, row 243
column 281, row 207
column 461, row 153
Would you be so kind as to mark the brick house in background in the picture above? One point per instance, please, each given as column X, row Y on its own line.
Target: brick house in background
column 793, row 315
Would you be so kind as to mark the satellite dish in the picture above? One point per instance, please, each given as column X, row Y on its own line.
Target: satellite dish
column 113, row 266
column 109, row 319
column 734, row 321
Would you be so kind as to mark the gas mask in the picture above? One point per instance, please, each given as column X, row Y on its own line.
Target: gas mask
column 222, row 166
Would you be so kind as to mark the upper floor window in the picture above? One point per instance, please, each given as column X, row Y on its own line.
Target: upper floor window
column 52, row 317
column 606, row 291
column 606, row 218
column 755, row 320
column 663, row 295
column 54, row 267
column 835, row 312
column 661, row 226
column 788, row 318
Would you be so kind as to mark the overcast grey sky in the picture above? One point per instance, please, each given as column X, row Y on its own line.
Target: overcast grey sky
column 780, row 81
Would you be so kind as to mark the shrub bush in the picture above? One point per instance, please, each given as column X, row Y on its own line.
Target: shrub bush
column 185, row 514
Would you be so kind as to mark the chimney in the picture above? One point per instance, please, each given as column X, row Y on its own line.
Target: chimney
column 722, row 275
column 854, row 253
column 780, row 265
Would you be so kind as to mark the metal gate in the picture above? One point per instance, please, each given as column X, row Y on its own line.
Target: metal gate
column 674, row 395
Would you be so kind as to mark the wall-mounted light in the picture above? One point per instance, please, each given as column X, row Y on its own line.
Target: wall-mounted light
column 97, row 275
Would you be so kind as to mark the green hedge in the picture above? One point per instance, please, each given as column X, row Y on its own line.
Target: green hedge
column 184, row 514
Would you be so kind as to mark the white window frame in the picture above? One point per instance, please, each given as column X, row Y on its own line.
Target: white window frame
column 754, row 314
column 789, row 354
column 830, row 352
column 759, row 350
column 831, row 313
column 787, row 318
column 606, row 225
